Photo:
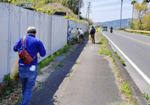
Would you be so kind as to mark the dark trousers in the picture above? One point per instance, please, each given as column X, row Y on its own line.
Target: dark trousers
column 93, row 38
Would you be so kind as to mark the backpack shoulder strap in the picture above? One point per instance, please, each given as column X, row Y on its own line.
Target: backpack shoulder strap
column 24, row 42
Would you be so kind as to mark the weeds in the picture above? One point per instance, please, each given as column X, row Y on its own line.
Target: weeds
column 147, row 96
column 60, row 64
column 104, row 49
column 55, row 67
column 126, row 89
column 121, row 60
column 10, row 82
column 39, row 88
column 101, row 49
column 19, row 101
column 49, row 59
column 39, row 83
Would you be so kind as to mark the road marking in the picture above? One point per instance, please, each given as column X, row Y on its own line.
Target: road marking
column 131, row 62
column 133, row 39
column 69, row 80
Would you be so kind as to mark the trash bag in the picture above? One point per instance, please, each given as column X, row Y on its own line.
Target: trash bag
column 14, row 71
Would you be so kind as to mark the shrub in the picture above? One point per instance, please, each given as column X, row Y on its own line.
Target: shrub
column 121, row 29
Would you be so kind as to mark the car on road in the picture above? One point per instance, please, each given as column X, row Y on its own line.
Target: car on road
column 104, row 28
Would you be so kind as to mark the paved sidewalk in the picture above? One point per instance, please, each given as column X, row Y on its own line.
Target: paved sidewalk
column 92, row 82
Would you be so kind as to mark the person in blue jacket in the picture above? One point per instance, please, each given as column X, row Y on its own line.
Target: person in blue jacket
column 28, row 73
column 92, row 33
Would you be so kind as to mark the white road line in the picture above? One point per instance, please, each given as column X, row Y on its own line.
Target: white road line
column 134, row 65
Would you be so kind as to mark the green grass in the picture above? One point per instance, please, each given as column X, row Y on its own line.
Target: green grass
column 60, row 64
column 55, row 67
column 104, row 49
column 147, row 96
column 39, row 88
column 49, row 59
column 101, row 49
column 126, row 89
column 121, row 60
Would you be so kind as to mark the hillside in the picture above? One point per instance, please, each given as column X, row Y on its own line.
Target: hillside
column 56, row 6
column 72, row 4
column 115, row 23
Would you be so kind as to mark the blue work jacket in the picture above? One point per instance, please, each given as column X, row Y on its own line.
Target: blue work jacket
column 33, row 46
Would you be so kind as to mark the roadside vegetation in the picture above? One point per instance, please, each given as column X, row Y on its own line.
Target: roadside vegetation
column 121, row 60
column 141, row 14
column 147, row 96
column 124, row 86
column 121, row 29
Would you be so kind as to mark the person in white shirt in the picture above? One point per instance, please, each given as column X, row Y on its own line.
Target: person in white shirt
column 78, row 34
column 81, row 35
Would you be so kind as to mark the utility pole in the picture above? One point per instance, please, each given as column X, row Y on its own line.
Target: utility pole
column 88, row 10
column 79, row 9
column 121, row 13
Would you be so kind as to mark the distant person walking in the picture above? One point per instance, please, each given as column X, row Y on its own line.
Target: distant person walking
column 92, row 33
column 28, row 47
column 78, row 34
column 81, row 35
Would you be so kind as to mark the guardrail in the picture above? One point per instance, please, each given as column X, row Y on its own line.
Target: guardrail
column 138, row 31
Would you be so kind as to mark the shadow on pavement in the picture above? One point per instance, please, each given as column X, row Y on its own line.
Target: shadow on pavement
column 51, row 85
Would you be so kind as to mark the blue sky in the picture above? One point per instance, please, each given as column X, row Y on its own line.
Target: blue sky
column 107, row 10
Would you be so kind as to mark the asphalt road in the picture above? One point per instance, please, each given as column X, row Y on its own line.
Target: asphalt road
column 137, row 48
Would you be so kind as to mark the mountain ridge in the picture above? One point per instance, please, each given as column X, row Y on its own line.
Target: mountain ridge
column 115, row 23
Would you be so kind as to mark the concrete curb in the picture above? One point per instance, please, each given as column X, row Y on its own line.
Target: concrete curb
column 137, row 94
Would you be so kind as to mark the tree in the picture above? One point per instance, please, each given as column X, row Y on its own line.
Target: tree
column 132, row 3
column 132, row 25
column 121, row 13
column 140, row 11
column 146, row 20
column 91, row 22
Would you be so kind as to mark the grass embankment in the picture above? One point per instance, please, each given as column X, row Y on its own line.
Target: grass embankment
column 123, row 85
column 12, row 93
